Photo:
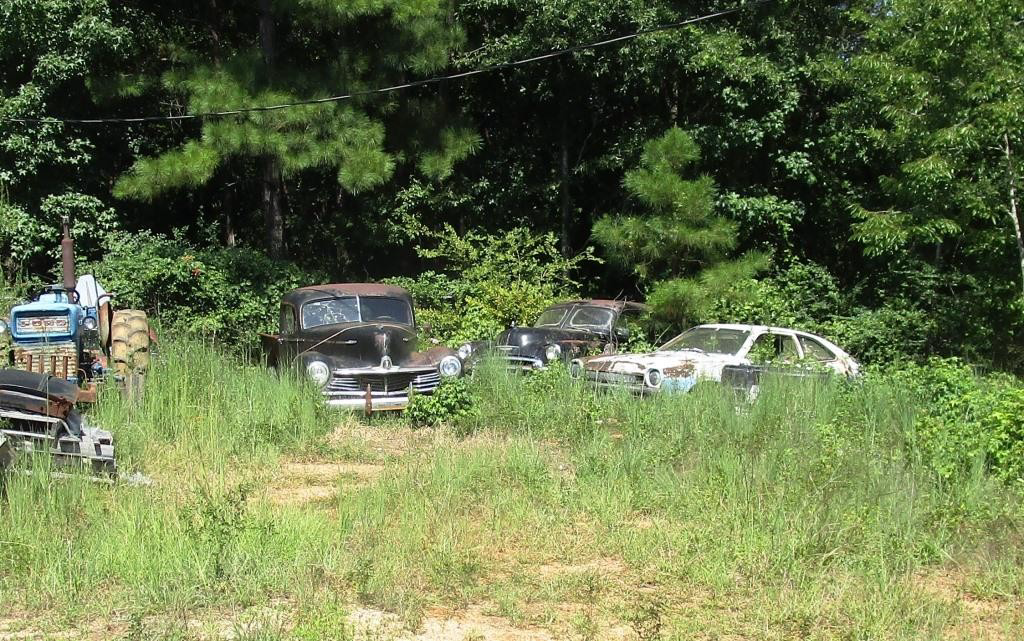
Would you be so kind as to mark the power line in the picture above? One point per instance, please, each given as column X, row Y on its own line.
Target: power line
column 383, row 90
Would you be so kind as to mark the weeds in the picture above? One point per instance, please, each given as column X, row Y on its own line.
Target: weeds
column 808, row 514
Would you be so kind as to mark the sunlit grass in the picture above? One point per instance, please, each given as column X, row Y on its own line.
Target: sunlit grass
column 805, row 514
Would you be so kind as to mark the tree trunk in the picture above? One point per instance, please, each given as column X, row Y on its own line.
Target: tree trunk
column 273, row 219
column 270, row 169
column 267, row 34
column 1014, row 212
column 565, row 196
column 229, row 216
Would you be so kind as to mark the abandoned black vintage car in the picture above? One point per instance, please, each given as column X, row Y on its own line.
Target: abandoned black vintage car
column 359, row 343
column 562, row 332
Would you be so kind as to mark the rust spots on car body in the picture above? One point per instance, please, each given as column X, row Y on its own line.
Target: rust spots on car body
column 683, row 370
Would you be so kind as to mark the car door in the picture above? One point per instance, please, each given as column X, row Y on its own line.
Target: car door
column 288, row 341
column 775, row 348
column 281, row 348
column 817, row 352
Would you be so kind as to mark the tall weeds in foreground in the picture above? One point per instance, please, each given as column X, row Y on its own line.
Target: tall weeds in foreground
column 204, row 429
column 211, row 407
column 809, row 513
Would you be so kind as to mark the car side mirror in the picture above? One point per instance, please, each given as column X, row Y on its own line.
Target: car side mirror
column 622, row 333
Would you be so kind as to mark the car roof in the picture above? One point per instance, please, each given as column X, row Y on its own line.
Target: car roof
column 315, row 292
column 619, row 305
column 771, row 328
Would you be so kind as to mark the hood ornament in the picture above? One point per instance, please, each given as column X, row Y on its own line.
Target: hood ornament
column 385, row 363
column 383, row 342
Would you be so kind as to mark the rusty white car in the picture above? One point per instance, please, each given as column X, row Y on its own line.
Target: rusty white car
column 736, row 354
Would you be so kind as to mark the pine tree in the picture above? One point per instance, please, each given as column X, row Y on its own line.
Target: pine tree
column 677, row 245
column 295, row 50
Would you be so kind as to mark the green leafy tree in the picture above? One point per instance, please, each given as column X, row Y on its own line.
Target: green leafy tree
column 942, row 104
column 48, row 50
column 677, row 244
column 295, row 50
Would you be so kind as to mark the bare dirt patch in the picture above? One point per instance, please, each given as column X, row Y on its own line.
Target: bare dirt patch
column 384, row 441
column 301, row 483
column 603, row 567
column 470, row 624
column 981, row 619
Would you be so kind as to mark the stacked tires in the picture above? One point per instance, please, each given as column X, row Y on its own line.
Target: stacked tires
column 129, row 347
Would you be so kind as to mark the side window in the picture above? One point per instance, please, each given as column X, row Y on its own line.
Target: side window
column 816, row 351
column 625, row 323
column 288, row 322
column 774, row 348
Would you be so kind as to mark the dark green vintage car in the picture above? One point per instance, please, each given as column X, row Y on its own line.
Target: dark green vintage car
column 359, row 343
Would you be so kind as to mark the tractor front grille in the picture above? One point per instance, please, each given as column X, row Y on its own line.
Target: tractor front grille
column 55, row 359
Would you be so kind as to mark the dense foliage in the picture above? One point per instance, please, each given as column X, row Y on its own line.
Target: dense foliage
column 845, row 166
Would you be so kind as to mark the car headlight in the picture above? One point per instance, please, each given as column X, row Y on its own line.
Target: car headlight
column 318, row 372
column 465, row 351
column 450, row 366
column 3, row 326
column 576, row 369
column 653, row 378
column 552, row 352
column 89, row 323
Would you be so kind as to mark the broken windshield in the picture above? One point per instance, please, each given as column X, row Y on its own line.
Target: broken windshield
column 712, row 340
column 353, row 309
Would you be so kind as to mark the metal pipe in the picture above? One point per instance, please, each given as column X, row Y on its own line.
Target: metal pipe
column 67, row 253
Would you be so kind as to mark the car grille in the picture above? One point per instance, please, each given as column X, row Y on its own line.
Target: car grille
column 55, row 359
column 521, row 362
column 396, row 384
column 615, row 379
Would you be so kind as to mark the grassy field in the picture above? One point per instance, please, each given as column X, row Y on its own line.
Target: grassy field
column 548, row 513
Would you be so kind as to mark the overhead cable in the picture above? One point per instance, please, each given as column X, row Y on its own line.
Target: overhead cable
column 383, row 90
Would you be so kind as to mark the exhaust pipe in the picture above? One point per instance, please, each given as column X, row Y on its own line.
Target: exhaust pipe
column 67, row 254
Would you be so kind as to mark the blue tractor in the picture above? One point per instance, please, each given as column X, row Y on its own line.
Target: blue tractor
column 64, row 341
column 70, row 331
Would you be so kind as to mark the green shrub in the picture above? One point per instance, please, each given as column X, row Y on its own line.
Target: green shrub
column 230, row 293
column 485, row 282
column 451, row 402
column 965, row 420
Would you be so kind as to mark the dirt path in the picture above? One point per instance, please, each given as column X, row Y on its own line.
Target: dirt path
column 301, row 483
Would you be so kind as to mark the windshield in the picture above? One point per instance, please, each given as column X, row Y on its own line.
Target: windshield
column 708, row 339
column 391, row 310
column 551, row 317
column 350, row 309
column 591, row 317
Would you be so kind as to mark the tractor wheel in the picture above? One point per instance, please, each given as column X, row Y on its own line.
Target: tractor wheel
column 129, row 343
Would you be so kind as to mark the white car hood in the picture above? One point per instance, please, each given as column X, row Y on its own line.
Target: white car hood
column 705, row 365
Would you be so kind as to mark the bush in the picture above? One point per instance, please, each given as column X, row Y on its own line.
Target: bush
column 231, row 293
column 451, row 402
column 966, row 420
column 487, row 282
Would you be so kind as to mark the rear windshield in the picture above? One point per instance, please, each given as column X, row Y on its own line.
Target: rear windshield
column 352, row 309
column 709, row 339
column 591, row 317
column 551, row 317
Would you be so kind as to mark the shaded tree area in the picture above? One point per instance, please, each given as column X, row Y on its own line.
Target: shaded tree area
column 862, row 153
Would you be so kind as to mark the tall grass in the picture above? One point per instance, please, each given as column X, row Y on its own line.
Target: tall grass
column 806, row 514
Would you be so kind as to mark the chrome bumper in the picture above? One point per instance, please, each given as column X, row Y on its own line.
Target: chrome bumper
column 376, row 403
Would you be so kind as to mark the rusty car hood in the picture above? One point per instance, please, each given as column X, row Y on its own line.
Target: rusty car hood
column 672, row 363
